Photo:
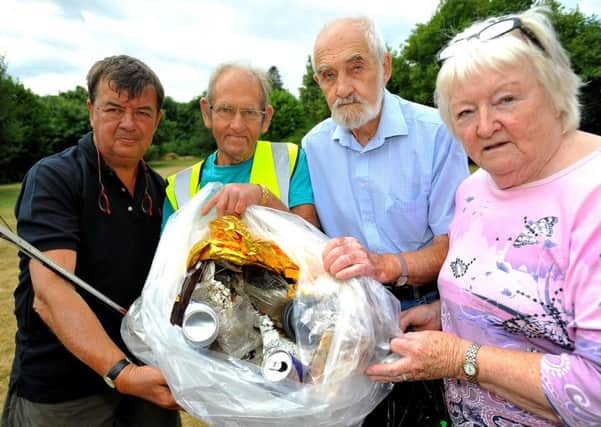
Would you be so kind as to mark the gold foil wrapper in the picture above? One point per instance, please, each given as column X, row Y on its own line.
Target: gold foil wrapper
column 230, row 240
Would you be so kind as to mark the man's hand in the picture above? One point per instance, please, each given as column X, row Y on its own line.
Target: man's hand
column 62, row 308
column 233, row 199
column 345, row 257
column 422, row 317
column 146, row 382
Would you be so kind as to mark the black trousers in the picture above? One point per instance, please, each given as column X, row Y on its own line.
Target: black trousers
column 412, row 403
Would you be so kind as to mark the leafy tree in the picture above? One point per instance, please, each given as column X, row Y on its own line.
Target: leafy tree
column 193, row 132
column 67, row 119
column 21, row 139
column 414, row 66
column 288, row 118
column 312, row 99
column 581, row 36
column 181, row 131
column 274, row 78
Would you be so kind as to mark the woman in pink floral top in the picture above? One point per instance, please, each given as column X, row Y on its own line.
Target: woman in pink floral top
column 521, row 285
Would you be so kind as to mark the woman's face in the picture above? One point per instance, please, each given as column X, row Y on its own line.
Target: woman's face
column 506, row 122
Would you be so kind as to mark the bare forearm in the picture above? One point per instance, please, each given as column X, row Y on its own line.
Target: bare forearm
column 515, row 376
column 427, row 354
column 70, row 318
column 80, row 331
column 307, row 212
column 423, row 265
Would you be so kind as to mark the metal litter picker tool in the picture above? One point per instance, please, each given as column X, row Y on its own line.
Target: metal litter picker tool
column 34, row 253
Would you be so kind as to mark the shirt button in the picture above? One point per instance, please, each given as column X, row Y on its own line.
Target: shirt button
column 129, row 208
column 123, row 189
column 363, row 185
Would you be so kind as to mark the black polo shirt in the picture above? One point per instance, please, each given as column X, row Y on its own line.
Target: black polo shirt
column 58, row 209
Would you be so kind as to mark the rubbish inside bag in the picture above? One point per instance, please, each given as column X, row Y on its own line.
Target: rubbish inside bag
column 249, row 329
column 239, row 277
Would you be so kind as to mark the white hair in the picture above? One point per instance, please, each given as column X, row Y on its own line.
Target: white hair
column 375, row 44
column 552, row 66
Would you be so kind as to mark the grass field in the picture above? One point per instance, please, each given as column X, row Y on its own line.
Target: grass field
column 9, row 271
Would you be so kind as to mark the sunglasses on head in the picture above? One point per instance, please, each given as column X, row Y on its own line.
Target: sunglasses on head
column 492, row 31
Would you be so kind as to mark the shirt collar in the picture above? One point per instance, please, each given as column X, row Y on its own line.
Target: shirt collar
column 86, row 144
column 392, row 123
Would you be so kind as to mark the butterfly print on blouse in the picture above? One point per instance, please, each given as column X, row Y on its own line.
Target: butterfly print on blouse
column 459, row 267
column 549, row 323
column 534, row 230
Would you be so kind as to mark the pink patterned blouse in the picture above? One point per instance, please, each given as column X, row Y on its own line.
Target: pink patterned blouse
column 524, row 273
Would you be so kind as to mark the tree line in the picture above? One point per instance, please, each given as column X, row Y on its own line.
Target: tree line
column 33, row 126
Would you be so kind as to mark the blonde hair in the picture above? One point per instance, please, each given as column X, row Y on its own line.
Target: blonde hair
column 552, row 66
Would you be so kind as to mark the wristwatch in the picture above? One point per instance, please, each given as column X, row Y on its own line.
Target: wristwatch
column 470, row 363
column 402, row 280
column 114, row 372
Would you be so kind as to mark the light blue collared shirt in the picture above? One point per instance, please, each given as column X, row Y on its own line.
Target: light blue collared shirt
column 396, row 193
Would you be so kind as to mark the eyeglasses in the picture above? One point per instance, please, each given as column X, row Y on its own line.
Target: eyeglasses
column 116, row 113
column 227, row 112
column 492, row 31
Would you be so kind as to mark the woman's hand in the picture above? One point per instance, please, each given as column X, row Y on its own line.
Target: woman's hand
column 425, row 355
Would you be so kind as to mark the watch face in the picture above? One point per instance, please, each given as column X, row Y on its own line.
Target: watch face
column 109, row 382
column 401, row 281
column 469, row 369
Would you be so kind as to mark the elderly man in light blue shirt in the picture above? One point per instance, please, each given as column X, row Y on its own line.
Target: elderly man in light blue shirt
column 395, row 193
column 384, row 172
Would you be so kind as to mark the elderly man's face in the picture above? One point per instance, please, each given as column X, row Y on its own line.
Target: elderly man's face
column 349, row 76
column 123, row 127
column 236, row 116
column 507, row 123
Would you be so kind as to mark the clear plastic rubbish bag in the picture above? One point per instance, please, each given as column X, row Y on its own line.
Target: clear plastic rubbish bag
column 341, row 327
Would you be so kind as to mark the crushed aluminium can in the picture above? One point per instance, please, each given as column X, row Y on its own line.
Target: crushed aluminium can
column 279, row 365
column 200, row 325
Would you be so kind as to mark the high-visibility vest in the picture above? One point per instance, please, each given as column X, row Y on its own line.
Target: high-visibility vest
column 273, row 165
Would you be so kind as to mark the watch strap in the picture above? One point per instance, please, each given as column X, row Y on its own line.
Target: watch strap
column 114, row 372
column 402, row 280
column 471, row 358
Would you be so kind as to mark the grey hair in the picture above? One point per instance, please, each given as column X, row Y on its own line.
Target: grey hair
column 552, row 67
column 374, row 40
column 257, row 73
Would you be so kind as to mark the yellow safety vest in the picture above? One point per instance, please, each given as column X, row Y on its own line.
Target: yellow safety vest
column 273, row 165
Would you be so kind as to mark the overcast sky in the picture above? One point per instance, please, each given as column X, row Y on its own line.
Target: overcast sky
column 50, row 45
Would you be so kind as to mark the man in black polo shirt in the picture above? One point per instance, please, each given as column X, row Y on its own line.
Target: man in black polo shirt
column 95, row 210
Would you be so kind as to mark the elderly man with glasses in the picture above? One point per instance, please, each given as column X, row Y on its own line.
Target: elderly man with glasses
column 237, row 111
